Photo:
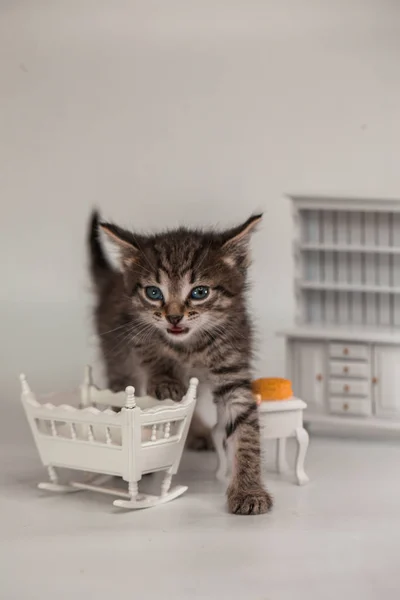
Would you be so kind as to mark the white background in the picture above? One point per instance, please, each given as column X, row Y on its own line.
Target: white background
column 166, row 112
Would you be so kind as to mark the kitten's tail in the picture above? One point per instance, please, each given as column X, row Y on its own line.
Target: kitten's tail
column 99, row 266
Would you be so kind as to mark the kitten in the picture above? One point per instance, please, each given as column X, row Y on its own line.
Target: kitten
column 173, row 302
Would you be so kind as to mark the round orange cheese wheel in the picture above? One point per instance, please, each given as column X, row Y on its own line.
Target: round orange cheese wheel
column 272, row 388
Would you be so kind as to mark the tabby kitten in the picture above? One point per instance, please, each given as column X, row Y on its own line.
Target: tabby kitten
column 172, row 303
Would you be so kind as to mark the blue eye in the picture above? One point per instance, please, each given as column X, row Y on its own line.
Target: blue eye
column 154, row 293
column 200, row 292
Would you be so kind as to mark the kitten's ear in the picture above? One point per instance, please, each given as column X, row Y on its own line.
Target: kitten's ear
column 119, row 246
column 237, row 240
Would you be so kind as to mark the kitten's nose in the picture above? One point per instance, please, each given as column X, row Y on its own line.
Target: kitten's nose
column 174, row 319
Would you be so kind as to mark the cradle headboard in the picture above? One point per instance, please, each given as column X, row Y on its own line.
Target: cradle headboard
column 91, row 395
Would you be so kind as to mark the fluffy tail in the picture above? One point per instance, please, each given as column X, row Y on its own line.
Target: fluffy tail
column 99, row 267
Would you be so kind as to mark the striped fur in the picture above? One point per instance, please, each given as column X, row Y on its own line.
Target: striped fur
column 214, row 333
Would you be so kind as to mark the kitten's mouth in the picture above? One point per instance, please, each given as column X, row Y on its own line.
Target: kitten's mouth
column 177, row 330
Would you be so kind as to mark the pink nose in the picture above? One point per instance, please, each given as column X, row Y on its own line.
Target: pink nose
column 174, row 319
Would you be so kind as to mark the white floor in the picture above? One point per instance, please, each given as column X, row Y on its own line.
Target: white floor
column 337, row 538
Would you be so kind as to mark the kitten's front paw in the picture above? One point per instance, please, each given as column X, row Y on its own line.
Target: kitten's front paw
column 248, row 502
column 172, row 390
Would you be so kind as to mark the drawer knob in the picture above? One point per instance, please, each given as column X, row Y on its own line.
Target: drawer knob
column 345, row 351
column 346, row 388
column 319, row 377
column 374, row 380
column 345, row 406
column 345, row 369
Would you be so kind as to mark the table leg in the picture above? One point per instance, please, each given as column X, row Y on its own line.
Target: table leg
column 302, row 445
column 281, row 464
column 218, row 437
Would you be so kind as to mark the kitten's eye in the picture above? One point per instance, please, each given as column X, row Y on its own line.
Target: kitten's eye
column 154, row 293
column 200, row 292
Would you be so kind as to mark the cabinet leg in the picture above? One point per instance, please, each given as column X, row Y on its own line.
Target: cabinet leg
column 218, row 437
column 281, row 463
column 302, row 445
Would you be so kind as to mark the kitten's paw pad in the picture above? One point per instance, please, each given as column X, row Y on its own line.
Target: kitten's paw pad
column 200, row 442
column 169, row 390
column 255, row 502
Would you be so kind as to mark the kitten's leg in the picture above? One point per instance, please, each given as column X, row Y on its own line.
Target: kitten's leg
column 218, row 435
column 118, row 361
column 199, row 436
column 117, row 380
column 246, row 494
column 118, row 375
column 165, row 378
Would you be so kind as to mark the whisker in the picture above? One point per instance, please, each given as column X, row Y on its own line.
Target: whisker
column 136, row 333
column 115, row 329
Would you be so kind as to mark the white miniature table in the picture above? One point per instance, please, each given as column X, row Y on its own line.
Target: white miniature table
column 282, row 419
column 279, row 420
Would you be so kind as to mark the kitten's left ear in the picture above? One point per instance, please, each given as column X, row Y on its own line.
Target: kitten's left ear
column 237, row 240
column 119, row 246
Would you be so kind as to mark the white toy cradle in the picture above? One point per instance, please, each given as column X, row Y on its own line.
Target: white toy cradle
column 145, row 436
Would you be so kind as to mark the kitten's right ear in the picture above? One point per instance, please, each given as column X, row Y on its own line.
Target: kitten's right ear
column 237, row 240
column 119, row 246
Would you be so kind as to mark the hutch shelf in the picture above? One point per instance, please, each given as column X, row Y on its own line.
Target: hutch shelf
column 343, row 353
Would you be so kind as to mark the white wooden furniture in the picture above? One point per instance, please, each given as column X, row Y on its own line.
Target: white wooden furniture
column 343, row 353
column 279, row 420
column 282, row 419
column 146, row 435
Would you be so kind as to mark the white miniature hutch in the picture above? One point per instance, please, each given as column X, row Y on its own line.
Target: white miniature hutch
column 343, row 354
